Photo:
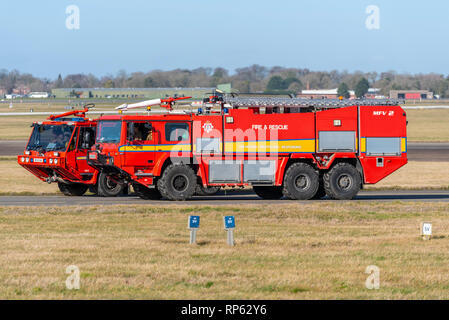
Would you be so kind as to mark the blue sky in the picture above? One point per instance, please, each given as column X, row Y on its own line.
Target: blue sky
column 137, row 35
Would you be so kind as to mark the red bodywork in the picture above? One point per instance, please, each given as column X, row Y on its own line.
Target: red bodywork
column 221, row 145
column 68, row 164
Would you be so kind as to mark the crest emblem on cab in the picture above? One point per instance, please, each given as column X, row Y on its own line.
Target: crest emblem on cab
column 207, row 126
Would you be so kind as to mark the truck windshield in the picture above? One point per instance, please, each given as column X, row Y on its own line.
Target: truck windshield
column 109, row 131
column 50, row 137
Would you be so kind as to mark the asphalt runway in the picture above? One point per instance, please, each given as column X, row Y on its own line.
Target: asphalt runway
column 240, row 197
column 415, row 151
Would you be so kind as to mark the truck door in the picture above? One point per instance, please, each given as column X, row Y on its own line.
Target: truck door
column 141, row 142
column 70, row 156
column 86, row 140
column 176, row 139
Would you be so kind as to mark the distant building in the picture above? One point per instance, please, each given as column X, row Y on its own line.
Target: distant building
column 41, row 95
column 411, row 94
column 374, row 93
column 128, row 93
column 21, row 90
column 12, row 96
column 323, row 94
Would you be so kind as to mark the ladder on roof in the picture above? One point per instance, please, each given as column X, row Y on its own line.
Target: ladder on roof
column 305, row 103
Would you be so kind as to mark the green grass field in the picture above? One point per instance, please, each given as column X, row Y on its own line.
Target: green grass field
column 297, row 251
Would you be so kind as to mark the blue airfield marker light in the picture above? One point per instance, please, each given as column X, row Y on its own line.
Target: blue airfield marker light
column 229, row 226
column 193, row 226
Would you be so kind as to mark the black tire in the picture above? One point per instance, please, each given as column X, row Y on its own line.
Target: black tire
column 301, row 182
column 269, row 192
column 146, row 193
column 178, row 182
column 206, row 191
column 73, row 189
column 107, row 187
column 321, row 192
column 342, row 182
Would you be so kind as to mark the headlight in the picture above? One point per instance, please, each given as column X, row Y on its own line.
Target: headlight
column 56, row 161
column 27, row 152
column 27, row 159
column 22, row 159
column 51, row 161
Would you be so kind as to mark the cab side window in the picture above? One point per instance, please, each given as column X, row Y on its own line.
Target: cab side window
column 140, row 132
column 86, row 138
column 74, row 141
column 176, row 132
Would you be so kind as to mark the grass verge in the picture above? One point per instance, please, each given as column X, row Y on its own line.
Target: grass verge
column 293, row 251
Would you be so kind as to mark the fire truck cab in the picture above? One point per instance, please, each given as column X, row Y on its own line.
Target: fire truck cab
column 57, row 152
column 293, row 148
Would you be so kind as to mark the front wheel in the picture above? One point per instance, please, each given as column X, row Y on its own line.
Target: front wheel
column 107, row 187
column 342, row 182
column 72, row 189
column 301, row 182
column 178, row 182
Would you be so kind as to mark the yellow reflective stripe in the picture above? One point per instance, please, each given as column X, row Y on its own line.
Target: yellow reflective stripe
column 152, row 148
column 81, row 158
column 363, row 145
column 271, row 146
column 403, row 145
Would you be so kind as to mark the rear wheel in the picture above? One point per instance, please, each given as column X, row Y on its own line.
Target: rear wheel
column 206, row 191
column 72, row 189
column 107, row 187
column 301, row 182
column 269, row 193
column 178, row 182
column 146, row 193
column 342, row 182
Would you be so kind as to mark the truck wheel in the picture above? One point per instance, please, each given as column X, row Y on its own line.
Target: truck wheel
column 72, row 189
column 206, row 191
column 146, row 193
column 301, row 182
column 107, row 187
column 342, row 182
column 269, row 193
column 178, row 182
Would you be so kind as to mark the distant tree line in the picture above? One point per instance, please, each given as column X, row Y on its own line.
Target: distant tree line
column 254, row 78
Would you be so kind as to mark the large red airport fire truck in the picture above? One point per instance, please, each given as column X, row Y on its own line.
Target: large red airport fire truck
column 57, row 152
column 282, row 147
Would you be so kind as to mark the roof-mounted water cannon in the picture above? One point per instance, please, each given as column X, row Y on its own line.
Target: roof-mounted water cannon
column 165, row 103
column 77, row 113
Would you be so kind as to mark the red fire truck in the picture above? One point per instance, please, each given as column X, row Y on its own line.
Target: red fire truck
column 282, row 147
column 57, row 152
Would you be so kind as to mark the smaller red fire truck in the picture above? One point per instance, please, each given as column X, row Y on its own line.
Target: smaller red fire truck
column 283, row 147
column 57, row 152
